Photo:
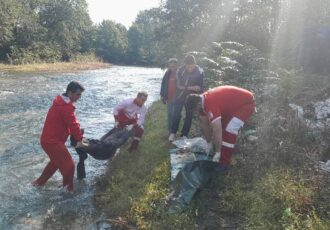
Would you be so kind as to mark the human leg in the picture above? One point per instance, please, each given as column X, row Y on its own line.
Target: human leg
column 187, row 122
column 50, row 168
column 138, row 132
column 231, row 129
column 170, row 112
column 176, row 118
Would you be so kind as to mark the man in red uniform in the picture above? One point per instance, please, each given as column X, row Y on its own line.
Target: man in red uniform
column 60, row 123
column 132, row 111
column 223, row 110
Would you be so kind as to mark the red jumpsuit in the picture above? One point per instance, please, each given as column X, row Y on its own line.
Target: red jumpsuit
column 60, row 123
column 233, row 106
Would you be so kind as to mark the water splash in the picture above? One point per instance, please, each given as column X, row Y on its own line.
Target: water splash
column 25, row 99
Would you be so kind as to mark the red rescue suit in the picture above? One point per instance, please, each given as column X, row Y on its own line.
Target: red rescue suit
column 60, row 123
column 233, row 106
column 129, row 113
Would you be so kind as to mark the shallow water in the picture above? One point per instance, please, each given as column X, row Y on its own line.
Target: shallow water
column 24, row 102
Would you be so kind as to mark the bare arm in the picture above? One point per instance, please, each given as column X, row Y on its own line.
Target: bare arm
column 217, row 134
column 205, row 128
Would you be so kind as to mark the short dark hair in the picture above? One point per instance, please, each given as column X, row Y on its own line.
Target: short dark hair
column 74, row 86
column 142, row 93
column 192, row 101
column 172, row 60
column 189, row 59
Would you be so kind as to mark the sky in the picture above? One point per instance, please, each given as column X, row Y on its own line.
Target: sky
column 120, row 11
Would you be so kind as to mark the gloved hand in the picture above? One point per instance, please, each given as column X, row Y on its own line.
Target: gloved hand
column 216, row 157
column 82, row 144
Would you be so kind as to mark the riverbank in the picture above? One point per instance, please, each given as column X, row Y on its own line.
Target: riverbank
column 56, row 67
column 276, row 182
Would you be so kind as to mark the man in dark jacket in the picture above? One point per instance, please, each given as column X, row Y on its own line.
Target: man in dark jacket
column 167, row 91
column 190, row 79
column 60, row 122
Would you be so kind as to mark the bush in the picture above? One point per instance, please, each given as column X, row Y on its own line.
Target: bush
column 36, row 53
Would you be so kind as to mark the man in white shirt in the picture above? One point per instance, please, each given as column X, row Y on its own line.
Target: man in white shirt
column 132, row 111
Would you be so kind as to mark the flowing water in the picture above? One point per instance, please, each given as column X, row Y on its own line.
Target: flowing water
column 24, row 102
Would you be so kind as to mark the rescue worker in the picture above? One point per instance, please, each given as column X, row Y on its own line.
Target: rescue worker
column 60, row 122
column 223, row 111
column 132, row 111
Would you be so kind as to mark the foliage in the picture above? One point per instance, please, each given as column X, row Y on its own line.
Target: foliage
column 143, row 46
column 278, row 200
column 295, row 33
column 36, row 52
column 137, row 183
column 57, row 27
column 111, row 41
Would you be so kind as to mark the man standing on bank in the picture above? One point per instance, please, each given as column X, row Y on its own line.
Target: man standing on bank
column 223, row 111
column 167, row 91
column 60, row 123
column 190, row 79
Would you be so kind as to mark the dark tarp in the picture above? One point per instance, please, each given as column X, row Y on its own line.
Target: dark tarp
column 191, row 169
column 102, row 149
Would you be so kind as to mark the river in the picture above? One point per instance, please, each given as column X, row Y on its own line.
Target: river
column 24, row 102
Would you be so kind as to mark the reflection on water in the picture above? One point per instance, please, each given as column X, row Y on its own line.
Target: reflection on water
column 24, row 102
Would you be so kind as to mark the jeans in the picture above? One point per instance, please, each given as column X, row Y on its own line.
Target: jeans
column 178, row 105
column 170, row 112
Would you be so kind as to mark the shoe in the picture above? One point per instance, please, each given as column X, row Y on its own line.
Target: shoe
column 171, row 137
column 36, row 184
column 134, row 146
column 67, row 190
column 184, row 137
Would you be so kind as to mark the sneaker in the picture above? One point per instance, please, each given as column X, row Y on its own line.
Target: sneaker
column 36, row 183
column 171, row 137
column 67, row 190
column 184, row 137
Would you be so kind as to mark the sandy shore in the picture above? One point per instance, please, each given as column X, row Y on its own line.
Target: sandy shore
column 54, row 67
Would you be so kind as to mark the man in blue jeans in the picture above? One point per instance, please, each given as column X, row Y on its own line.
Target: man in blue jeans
column 167, row 91
column 190, row 79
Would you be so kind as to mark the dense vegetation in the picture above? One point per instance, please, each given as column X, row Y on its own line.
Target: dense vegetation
column 294, row 33
column 275, row 182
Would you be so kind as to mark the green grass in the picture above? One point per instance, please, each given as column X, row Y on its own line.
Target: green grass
column 138, row 183
column 268, row 188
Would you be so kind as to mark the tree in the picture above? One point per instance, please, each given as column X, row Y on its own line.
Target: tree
column 9, row 17
column 145, row 26
column 67, row 22
column 111, row 41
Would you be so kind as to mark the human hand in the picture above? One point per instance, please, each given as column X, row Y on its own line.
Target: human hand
column 164, row 101
column 216, row 157
column 195, row 88
column 82, row 144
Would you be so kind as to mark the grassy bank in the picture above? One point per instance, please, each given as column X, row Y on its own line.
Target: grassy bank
column 54, row 67
column 275, row 183
column 136, row 184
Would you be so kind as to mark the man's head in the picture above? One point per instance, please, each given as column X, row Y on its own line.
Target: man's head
column 194, row 102
column 74, row 91
column 172, row 64
column 190, row 63
column 141, row 98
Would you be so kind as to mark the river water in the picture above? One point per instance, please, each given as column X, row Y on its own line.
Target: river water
column 24, row 102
